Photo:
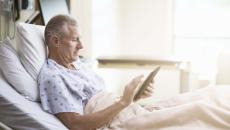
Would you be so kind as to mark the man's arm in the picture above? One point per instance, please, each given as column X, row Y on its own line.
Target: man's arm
column 75, row 121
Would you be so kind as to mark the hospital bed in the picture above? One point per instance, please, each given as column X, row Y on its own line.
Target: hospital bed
column 20, row 108
column 21, row 114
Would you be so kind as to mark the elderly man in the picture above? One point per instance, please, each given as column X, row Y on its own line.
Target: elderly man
column 66, row 85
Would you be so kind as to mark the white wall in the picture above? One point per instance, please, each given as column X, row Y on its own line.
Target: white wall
column 125, row 27
column 105, row 28
column 146, row 27
column 81, row 10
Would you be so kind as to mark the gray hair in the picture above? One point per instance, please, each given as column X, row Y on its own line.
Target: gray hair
column 56, row 24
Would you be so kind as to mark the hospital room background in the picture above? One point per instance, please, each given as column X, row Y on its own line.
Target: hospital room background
column 189, row 39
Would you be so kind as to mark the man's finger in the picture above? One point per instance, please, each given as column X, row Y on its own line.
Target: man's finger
column 147, row 94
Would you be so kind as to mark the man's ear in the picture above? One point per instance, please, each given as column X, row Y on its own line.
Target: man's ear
column 55, row 40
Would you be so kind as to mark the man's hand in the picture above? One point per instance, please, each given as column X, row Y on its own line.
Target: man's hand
column 148, row 92
column 130, row 91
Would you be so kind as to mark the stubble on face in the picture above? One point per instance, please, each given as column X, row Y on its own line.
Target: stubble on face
column 69, row 44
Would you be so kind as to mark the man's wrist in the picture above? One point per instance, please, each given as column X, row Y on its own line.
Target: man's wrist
column 122, row 104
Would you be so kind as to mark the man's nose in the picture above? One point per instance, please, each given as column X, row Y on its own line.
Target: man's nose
column 80, row 46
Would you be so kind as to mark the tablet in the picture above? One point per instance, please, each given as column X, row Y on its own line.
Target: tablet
column 146, row 82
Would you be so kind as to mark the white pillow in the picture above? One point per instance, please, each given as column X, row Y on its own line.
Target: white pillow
column 21, row 114
column 31, row 47
column 15, row 73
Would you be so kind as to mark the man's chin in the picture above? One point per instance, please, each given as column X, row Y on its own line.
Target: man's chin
column 75, row 58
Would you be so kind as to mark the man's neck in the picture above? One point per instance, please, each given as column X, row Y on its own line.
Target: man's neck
column 61, row 61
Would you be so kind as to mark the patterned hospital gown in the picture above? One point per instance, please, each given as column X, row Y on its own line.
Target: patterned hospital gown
column 66, row 90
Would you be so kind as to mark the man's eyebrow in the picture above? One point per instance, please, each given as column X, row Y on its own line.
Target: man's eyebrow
column 75, row 37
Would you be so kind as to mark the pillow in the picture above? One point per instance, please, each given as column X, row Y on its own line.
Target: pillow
column 31, row 47
column 21, row 114
column 15, row 73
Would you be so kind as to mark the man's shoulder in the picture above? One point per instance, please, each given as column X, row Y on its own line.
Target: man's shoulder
column 47, row 71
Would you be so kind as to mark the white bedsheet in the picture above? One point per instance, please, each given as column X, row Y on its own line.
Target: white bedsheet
column 206, row 109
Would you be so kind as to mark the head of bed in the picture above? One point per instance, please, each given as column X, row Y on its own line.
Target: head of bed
column 19, row 97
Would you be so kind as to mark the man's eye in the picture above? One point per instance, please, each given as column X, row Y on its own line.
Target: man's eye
column 75, row 39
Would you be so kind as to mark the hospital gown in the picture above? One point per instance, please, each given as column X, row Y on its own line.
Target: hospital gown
column 66, row 90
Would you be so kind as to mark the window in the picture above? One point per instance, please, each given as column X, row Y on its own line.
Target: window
column 201, row 32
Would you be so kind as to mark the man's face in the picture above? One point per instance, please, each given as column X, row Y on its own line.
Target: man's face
column 70, row 44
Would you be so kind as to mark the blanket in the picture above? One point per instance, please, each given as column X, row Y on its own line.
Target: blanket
column 204, row 109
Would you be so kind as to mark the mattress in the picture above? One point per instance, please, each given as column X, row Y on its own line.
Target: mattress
column 21, row 114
